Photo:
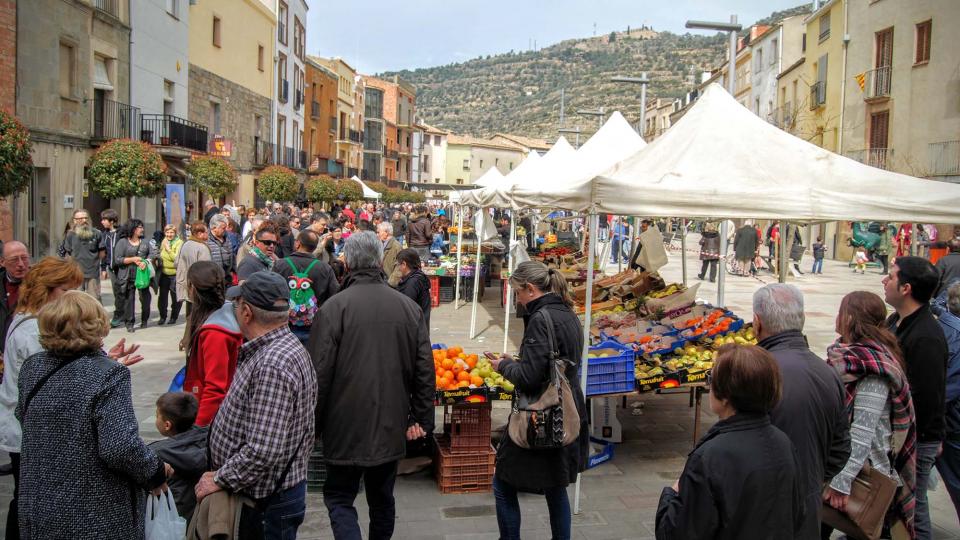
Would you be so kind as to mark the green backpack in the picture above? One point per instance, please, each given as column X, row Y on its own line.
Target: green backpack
column 303, row 301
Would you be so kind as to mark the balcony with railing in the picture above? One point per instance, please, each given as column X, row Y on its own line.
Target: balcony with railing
column 315, row 109
column 353, row 171
column 818, row 94
column 355, row 136
column 876, row 84
column 107, row 6
column 263, row 152
column 944, row 158
column 169, row 130
column 333, row 125
column 881, row 158
column 114, row 120
column 292, row 158
column 297, row 100
column 284, row 94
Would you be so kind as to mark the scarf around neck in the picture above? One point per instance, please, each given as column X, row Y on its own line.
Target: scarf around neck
column 853, row 362
column 263, row 257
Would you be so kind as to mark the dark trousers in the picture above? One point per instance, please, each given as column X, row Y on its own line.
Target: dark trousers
column 117, row 297
column 508, row 511
column 168, row 288
column 340, row 490
column 276, row 517
column 615, row 250
column 948, row 463
column 13, row 521
column 885, row 261
column 129, row 294
column 712, row 265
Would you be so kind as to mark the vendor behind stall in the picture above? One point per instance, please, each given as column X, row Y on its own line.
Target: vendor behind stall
column 634, row 264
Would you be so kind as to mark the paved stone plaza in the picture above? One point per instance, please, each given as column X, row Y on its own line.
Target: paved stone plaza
column 619, row 498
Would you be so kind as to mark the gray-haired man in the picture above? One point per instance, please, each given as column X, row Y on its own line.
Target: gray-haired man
column 811, row 411
column 391, row 248
column 404, row 406
column 221, row 252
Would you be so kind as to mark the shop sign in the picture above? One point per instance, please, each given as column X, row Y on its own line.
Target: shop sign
column 220, row 147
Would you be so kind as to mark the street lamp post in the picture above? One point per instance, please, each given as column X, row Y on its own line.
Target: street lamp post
column 732, row 27
column 575, row 130
column 593, row 112
column 643, row 81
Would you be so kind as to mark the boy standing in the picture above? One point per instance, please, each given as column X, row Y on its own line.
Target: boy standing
column 819, row 250
column 184, row 448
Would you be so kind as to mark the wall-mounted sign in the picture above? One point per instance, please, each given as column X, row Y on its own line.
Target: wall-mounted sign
column 220, row 147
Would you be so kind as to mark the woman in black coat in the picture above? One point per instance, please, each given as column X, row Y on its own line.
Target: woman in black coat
column 742, row 479
column 413, row 282
column 132, row 253
column 541, row 471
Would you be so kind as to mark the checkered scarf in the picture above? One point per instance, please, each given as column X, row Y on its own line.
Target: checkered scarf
column 857, row 360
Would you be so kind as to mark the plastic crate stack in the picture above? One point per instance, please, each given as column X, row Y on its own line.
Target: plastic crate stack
column 465, row 458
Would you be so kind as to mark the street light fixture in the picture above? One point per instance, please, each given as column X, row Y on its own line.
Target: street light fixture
column 732, row 27
column 575, row 130
column 643, row 81
column 593, row 112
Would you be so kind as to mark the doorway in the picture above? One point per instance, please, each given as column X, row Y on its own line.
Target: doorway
column 38, row 213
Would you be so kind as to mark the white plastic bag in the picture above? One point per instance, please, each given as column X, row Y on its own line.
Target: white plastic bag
column 162, row 520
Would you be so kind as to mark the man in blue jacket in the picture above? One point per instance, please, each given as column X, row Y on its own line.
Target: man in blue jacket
column 948, row 315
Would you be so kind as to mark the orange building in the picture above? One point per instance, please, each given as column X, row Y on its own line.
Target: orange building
column 399, row 108
column 391, row 158
column 320, row 120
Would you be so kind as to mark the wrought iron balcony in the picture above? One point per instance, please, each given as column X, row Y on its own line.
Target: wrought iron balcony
column 880, row 158
column 944, row 158
column 876, row 84
column 393, row 154
column 263, row 152
column 333, row 124
column 107, row 6
column 293, row 158
column 169, row 130
column 315, row 109
column 355, row 136
column 297, row 100
column 818, row 94
column 284, row 91
column 114, row 120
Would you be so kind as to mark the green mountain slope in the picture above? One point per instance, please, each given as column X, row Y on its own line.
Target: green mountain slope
column 519, row 92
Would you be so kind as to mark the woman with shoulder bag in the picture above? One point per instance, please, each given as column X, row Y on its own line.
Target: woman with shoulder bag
column 131, row 254
column 882, row 422
column 543, row 293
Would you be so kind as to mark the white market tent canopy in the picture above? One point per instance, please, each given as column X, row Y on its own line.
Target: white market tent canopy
column 722, row 161
column 613, row 142
column 493, row 180
column 492, row 177
column 367, row 192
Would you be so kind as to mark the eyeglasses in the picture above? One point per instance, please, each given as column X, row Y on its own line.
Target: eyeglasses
column 24, row 259
column 268, row 242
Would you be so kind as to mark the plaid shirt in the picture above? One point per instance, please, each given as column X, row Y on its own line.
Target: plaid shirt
column 267, row 415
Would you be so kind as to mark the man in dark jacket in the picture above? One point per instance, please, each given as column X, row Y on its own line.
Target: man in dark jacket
column 395, row 364
column 949, row 266
column 220, row 250
column 709, row 253
column 635, row 257
column 908, row 289
column 320, row 276
column 421, row 233
column 745, row 247
column 414, row 284
column 811, row 410
column 16, row 262
column 399, row 222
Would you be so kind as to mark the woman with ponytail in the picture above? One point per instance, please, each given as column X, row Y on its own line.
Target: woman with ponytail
column 882, row 422
column 539, row 290
column 212, row 339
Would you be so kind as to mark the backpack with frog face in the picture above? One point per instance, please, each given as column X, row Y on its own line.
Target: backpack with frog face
column 303, row 301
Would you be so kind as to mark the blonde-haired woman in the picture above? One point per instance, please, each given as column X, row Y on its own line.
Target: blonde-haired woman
column 169, row 250
column 85, row 468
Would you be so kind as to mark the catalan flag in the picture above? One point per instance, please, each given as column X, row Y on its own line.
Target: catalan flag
column 861, row 80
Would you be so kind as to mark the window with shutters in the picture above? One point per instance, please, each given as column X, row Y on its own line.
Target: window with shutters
column 879, row 129
column 824, row 26
column 884, row 48
column 922, row 55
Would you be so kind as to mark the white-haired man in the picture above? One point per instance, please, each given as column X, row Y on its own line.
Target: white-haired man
column 391, row 248
column 811, row 411
column 83, row 243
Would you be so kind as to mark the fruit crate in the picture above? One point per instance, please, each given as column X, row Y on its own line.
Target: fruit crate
column 613, row 374
column 434, row 291
column 316, row 470
column 467, row 427
column 464, row 473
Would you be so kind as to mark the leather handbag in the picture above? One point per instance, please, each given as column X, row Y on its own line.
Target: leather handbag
column 871, row 494
column 550, row 419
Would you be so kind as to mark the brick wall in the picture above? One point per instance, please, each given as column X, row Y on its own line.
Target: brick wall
column 8, row 54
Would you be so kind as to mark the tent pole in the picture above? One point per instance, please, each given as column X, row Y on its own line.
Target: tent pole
column 783, row 259
column 633, row 234
column 587, row 319
column 914, row 239
column 456, row 292
column 476, row 276
column 619, row 253
column 721, row 279
column 683, row 248
column 506, row 307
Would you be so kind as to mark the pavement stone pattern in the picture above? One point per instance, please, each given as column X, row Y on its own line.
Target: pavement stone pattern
column 619, row 498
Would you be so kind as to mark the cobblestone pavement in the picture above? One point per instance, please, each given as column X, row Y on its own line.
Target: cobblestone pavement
column 619, row 498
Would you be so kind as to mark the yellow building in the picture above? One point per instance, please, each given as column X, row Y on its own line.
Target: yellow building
column 818, row 110
column 231, row 85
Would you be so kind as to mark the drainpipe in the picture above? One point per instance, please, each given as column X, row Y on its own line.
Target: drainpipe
column 843, row 78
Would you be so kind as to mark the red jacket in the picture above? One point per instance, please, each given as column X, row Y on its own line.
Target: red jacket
column 213, row 361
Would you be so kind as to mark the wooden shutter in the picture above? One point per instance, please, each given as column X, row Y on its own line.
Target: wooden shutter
column 879, row 129
column 884, row 53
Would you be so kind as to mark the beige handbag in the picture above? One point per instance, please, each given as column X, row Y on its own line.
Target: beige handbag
column 870, row 496
column 549, row 420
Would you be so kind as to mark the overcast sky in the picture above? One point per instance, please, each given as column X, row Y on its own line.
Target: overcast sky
column 377, row 35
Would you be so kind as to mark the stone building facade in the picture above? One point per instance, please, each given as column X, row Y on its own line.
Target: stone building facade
column 8, row 54
column 243, row 118
column 74, row 57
